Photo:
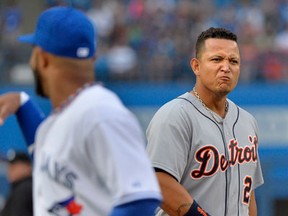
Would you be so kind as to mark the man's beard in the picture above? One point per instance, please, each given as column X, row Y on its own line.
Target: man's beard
column 38, row 84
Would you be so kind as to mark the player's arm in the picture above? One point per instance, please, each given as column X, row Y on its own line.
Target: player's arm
column 177, row 201
column 145, row 207
column 29, row 117
column 9, row 104
column 28, row 114
column 131, row 177
column 252, row 205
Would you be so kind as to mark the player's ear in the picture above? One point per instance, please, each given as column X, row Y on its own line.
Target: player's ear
column 43, row 58
column 194, row 63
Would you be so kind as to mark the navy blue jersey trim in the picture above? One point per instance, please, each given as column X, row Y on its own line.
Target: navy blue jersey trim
column 239, row 173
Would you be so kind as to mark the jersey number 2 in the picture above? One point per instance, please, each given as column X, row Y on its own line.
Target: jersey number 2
column 247, row 189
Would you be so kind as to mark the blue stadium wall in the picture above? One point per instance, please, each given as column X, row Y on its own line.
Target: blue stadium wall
column 150, row 96
column 268, row 102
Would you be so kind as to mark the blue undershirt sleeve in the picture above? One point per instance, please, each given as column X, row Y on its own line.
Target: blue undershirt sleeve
column 29, row 117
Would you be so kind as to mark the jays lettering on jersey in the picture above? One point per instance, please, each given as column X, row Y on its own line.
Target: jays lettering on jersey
column 218, row 164
column 83, row 154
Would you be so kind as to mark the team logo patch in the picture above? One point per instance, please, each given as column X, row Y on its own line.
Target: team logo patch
column 67, row 207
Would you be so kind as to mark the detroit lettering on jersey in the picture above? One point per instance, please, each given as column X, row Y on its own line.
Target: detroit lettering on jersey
column 209, row 154
column 57, row 172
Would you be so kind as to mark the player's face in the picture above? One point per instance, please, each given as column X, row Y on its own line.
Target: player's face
column 37, row 75
column 218, row 66
column 38, row 84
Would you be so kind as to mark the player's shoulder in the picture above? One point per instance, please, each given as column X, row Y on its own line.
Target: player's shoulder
column 98, row 96
column 176, row 108
column 104, row 102
column 97, row 101
column 179, row 103
column 98, row 93
column 242, row 112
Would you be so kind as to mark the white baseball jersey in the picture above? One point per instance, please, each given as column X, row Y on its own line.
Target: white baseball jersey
column 218, row 164
column 89, row 157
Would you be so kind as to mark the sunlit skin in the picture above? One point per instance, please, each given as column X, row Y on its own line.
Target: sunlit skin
column 59, row 77
column 217, row 70
column 18, row 170
column 37, row 76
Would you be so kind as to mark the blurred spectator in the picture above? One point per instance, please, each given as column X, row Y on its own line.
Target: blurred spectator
column 281, row 39
column 273, row 67
column 81, row 4
column 121, row 58
column 103, row 17
column 10, row 28
column 150, row 40
column 11, row 17
column 19, row 200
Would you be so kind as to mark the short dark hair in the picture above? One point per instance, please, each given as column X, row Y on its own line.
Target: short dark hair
column 219, row 33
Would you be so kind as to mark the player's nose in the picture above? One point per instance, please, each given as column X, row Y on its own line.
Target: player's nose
column 226, row 67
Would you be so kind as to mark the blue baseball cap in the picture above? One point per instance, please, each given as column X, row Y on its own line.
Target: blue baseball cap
column 64, row 31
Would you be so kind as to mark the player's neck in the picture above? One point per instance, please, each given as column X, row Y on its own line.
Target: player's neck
column 218, row 105
column 61, row 100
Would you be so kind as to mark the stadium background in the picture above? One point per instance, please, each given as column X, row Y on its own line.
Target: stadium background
column 144, row 49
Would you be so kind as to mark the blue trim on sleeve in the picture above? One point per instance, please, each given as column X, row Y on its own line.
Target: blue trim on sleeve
column 145, row 207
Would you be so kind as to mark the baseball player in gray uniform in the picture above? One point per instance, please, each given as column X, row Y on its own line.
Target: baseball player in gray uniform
column 203, row 146
column 89, row 153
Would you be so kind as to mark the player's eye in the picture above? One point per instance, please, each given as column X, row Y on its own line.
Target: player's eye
column 216, row 59
column 234, row 61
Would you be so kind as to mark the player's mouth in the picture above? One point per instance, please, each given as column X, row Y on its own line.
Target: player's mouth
column 224, row 79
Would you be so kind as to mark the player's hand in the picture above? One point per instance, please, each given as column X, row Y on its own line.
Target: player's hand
column 9, row 104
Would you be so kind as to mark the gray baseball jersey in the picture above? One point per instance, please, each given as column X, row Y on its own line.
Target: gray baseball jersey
column 218, row 164
column 89, row 157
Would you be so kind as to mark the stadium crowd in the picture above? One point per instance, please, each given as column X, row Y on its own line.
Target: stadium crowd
column 148, row 40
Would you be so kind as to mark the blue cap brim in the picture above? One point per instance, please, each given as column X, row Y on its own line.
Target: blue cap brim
column 29, row 38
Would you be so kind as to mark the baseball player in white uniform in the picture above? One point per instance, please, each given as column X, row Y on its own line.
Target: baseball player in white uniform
column 89, row 153
column 203, row 146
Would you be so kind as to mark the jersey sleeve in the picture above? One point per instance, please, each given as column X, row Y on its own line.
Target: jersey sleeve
column 258, row 176
column 145, row 207
column 121, row 161
column 169, row 136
